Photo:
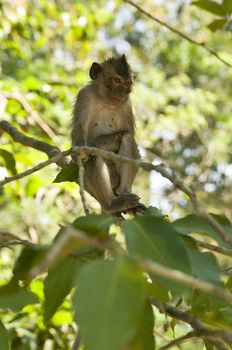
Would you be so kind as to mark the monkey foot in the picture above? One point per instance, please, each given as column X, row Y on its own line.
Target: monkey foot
column 137, row 210
column 124, row 202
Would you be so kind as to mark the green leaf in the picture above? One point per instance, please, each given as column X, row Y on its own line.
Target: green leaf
column 204, row 265
column 68, row 174
column 97, row 225
column 29, row 256
column 210, row 6
column 4, row 342
column 193, row 224
column 217, row 24
column 15, row 298
column 227, row 313
column 145, row 337
column 67, row 268
column 109, row 303
column 151, row 238
column 153, row 211
column 210, row 310
column 208, row 345
column 227, row 6
column 9, row 161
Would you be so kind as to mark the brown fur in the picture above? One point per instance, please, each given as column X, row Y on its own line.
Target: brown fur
column 103, row 117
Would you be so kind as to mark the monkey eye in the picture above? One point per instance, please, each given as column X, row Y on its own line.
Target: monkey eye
column 127, row 83
column 117, row 80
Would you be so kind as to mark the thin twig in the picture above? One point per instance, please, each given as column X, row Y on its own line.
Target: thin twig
column 62, row 161
column 176, row 31
column 36, row 168
column 77, row 342
column 181, row 277
column 7, row 239
column 200, row 329
column 45, row 147
column 65, row 245
column 213, row 248
column 218, row 345
column 32, row 114
column 179, row 340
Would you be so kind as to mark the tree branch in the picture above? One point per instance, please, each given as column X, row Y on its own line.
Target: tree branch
column 77, row 342
column 213, row 248
column 31, row 113
column 59, row 158
column 17, row 136
column 56, row 159
column 176, row 31
column 199, row 328
column 178, row 341
column 181, row 277
column 66, row 242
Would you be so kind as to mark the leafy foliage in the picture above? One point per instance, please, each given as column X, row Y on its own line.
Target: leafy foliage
column 182, row 103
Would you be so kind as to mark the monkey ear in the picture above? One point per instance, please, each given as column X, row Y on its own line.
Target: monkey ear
column 123, row 58
column 95, row 69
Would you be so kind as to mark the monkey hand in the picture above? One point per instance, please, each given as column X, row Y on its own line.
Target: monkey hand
column 119, row 134
column 82, row 156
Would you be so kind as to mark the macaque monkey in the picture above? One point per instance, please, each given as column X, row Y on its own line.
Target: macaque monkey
column 103, row 118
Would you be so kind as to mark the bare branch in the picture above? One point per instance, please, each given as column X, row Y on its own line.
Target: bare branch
column 64, row 245
column 32, row 114
column 38, row 167
column 181, row 277
column 178, row 341
column 176, row 31
column 17, row 136
column 60, row 159
column 77, row 342
column 200, row 329
column 213, row 248
column 8, row 239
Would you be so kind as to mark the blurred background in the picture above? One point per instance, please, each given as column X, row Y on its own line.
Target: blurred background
column 181, row 98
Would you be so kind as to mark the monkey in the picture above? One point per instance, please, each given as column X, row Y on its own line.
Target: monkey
column 103, row 118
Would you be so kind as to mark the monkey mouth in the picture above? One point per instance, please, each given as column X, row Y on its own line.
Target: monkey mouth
column 119, row 99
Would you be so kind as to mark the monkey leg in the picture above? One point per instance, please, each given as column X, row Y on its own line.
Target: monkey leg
column 98, row 183
column 128, row 148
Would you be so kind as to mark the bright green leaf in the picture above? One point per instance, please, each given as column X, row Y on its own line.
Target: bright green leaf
column 68, row 174
column 112, row 294
column 217, row 24
column 67, row 268
column 4, row 342
column 151, row 238
column 210, row 6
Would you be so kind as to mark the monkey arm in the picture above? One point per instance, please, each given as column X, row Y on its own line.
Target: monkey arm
column 110, row 142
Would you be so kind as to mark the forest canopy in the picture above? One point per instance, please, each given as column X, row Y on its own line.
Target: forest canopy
column 70, row 277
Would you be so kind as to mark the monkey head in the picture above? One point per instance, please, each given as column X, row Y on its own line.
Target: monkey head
column 114, row 77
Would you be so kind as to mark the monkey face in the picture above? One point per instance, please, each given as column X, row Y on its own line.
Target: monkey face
column 114, row 76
